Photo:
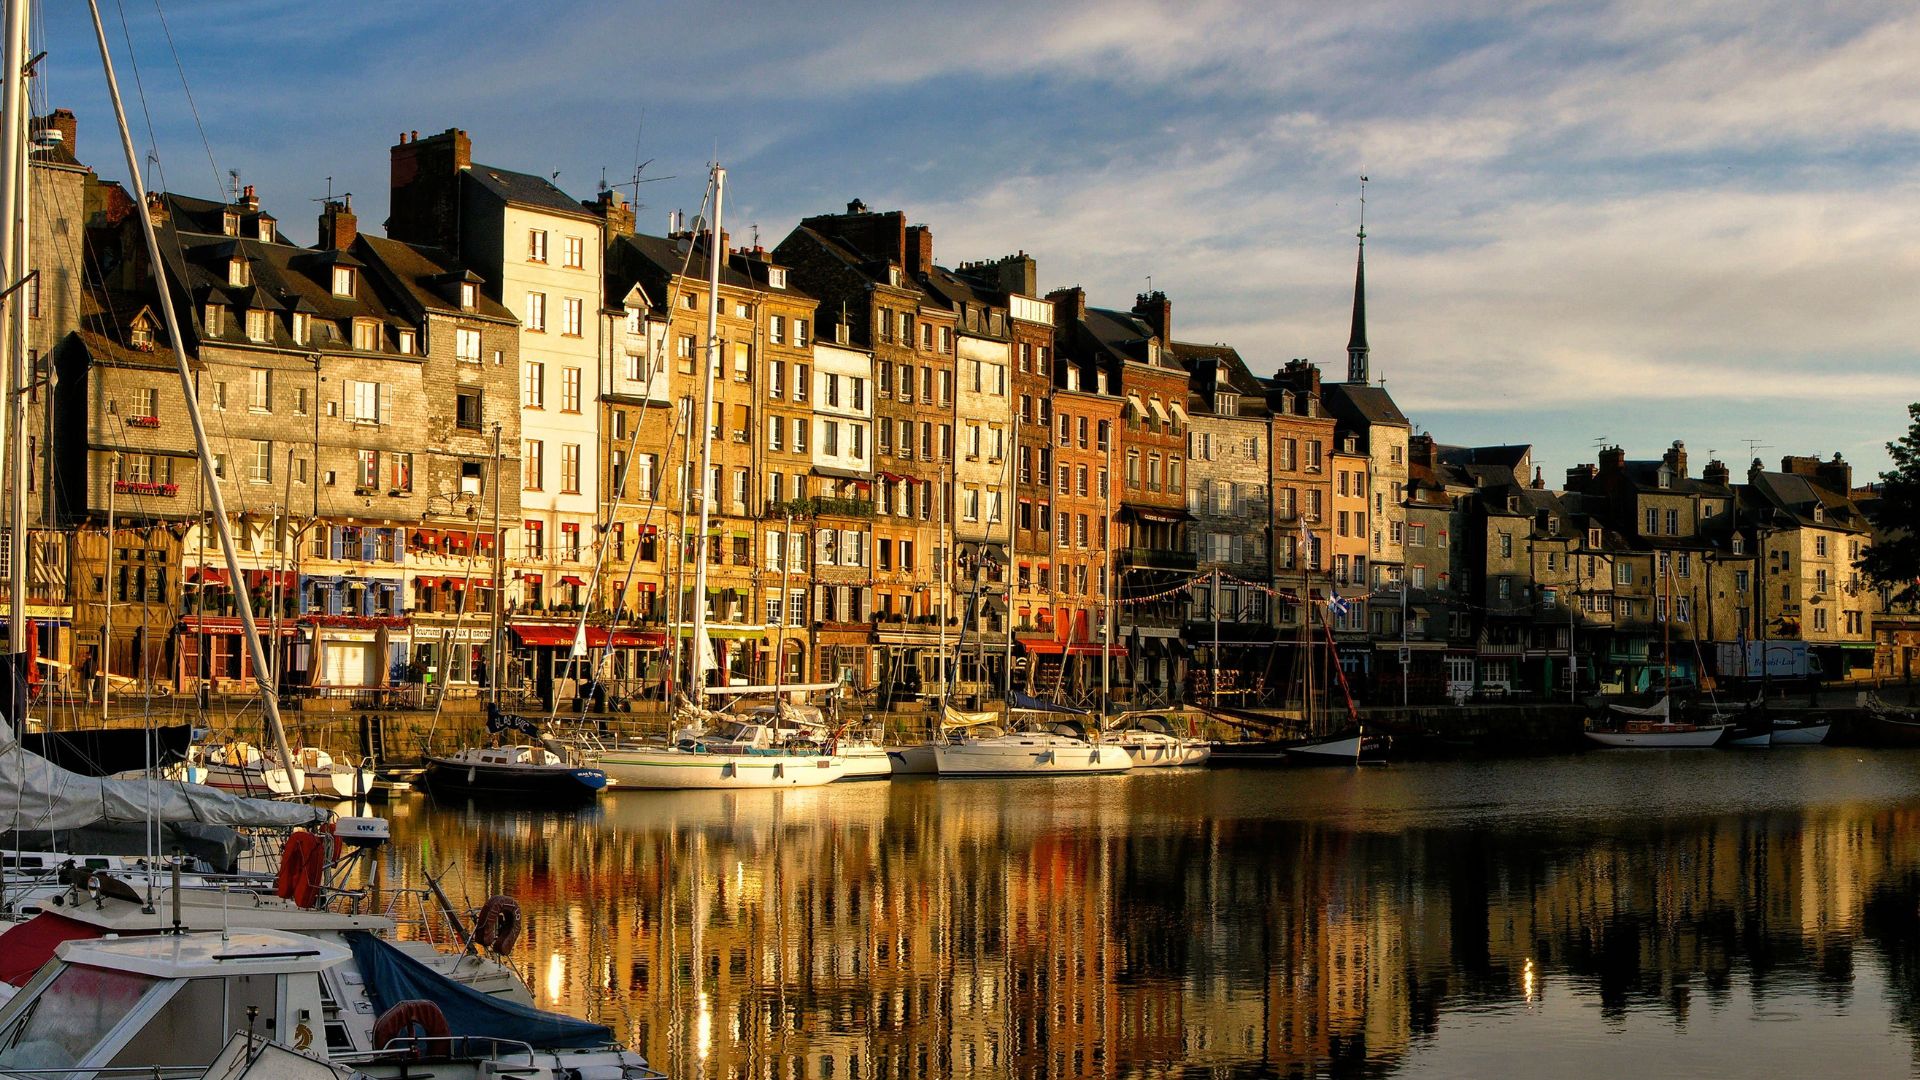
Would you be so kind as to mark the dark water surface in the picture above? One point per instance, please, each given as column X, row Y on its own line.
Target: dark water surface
column 1629, row 914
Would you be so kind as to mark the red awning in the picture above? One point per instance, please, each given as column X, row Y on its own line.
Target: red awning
column 426, row 539
column 265, row 579
column 1046, row 646
column 426, row 581
column 569, row 579
column 533, row 579
column 648, row 530
column 31, row 944
column 207, row 575
column 544, row 635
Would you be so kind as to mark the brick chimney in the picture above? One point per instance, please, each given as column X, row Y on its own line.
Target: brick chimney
column 1800, row 465
column 615, row 211
column 1582, row 477
column 1676, row 459
column 1157, row 311
column 879, row 237
column 1069, row 305
column 1613, row 460
column 1716, row 472
column 338, row 225
column 1420, row 450
column 1837, row 475
column 919, row 259
column 425, row 181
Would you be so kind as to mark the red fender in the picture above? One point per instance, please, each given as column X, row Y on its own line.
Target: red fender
column 498, row 925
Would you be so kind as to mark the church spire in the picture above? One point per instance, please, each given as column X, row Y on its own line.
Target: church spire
column 1357, row 342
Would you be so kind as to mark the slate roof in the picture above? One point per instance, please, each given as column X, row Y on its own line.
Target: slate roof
column 417, row 274
column 525, row 189
column 1795, row 497
column 1353, row 402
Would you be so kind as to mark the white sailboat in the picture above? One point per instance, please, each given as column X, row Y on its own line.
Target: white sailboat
column 739, row 756
column 1057, row 750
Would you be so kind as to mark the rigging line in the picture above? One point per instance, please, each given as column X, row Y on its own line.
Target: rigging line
column 188, row 90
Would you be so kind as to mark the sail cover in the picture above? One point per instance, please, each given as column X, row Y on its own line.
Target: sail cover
column 37, row 795
column 393, row 976
column 954, row 718
column 1028, row 703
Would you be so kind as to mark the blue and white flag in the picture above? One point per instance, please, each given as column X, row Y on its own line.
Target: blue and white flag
column 1337, row 606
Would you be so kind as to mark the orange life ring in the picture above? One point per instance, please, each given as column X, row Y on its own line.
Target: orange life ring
column 415, row 1018
column 498, row 925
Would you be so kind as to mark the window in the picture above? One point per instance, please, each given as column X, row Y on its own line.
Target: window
column 468, row 294
column 363, row 402
column 570, row 389
column 301, row 327
column 466, row 345
column 366, row 335
column 570, row 468
column 570, row 541
column 536, row 245
column 535, row 318
column 1623, row 574
column 1506, row 545
column 467, row 410
column 299, row 401
column 215, row 320
column 534, row 460
column 742, row 362
column 1673, row 523
column 259, row 391
column 533, row 385
column 1820, row 546
column 946, row 339
column 260, row 468
column 343, row 281
column 257, row 326
column 776, row 433
column 367, row 476
column 801, row 373
column 400, row 471
column 576, row 252
column 406, row 342
column 777, row 329
column 573, row 322
column 799, row 328
column 1653, row 521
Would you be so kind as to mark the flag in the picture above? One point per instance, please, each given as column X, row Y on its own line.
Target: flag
column 1337, row 606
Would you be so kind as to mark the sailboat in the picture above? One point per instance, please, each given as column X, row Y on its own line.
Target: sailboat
column 711, row 750
column 1349, row 745
column 1653, row 727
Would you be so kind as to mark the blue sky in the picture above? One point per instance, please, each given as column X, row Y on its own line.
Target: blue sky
column 1637, row 220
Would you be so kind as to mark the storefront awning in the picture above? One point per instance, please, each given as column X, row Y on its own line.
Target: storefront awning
column 1040, row 646
column 832, row 473
column 1160, row 514
column 543, row 635
column 570, row 579
column 207, row 575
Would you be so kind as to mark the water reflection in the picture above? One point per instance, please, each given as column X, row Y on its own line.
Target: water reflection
column 1451, row 919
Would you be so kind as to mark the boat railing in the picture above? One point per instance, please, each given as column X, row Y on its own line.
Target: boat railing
column 133, row 1072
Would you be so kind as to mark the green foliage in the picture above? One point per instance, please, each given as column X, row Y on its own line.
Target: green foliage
column 1894, row 559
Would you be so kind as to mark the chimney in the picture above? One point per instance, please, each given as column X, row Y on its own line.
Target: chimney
column 1715, row 472
column 1069, row 305
column 856, row 207
column 62, row 122
column 1676, row 459
column 248, row 200
column 424, row 175
column 1420, row 450
column 878, row 238
column 1836, row 475
column 338, row 225
column 1157, row 310
column 1612, row 460
column 919, row 250
column 1582, row 477
column 1538, row 483
column 1800, row 465
column 616, row 212
column 1016, row 274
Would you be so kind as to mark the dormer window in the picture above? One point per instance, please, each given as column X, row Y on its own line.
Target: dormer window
column 1739, row 544
column 776, row 277
column 230, row 223
column 300, row 327
column 239, row 271
column 1153, row 352
column 466, row 295
column 1227, row 404
column 257, row 325
column 214, row 320
column 1073, row 377
column 343, row 281
column 366, row 335
column 407, row 340
column 1819, row 513
column 1593, row 539
column 1666, row 477
column 141, row 336
column 265, row 233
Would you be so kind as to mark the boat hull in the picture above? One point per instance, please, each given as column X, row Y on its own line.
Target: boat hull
column 1688, row 739
column 1251, row 754
column 453, row 778
column 692, row 770
column 1801, row 734
column 914, row 760
column 867, row 762
column 1884, row 730
column 1030, row 757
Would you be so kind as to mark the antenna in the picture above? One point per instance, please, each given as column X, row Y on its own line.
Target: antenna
column 634, row 182
column 328, row 197
column 233, row 184
column 1754, row 446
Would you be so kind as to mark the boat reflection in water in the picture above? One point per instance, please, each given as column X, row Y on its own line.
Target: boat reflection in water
column 1613, row 912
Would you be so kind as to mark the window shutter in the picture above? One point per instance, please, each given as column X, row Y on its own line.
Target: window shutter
column 339, row 543
column 369, row 544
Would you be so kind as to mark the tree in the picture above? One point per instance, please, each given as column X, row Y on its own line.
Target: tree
column 1893, row 562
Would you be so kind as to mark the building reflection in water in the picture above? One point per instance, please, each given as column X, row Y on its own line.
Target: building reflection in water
column 1125, row 925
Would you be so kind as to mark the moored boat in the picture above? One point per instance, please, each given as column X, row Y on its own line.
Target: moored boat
column 741, row 755
column 1655, row 734
column 512, row 772
column 1058, row 751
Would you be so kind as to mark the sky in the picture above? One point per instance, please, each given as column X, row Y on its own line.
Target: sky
column 1628, row 222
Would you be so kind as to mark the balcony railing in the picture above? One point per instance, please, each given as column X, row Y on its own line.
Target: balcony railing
column 816, row 505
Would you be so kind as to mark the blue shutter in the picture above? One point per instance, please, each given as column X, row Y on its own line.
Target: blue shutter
column 369, row 545
column 333, row 600
column 339, row 538
column 399, row 547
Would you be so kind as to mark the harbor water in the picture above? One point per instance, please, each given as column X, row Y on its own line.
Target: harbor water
column 1647, row 914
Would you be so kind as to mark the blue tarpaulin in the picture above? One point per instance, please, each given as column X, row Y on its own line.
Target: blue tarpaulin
column 392, row 977
column 1018, row 700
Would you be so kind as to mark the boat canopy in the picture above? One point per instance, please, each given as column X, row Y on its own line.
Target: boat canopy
column 954, row 718
column 393, row 977
column 46, row 797
column 1027, row 703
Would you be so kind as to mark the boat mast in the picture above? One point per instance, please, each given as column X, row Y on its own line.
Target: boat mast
column 1106, row 583
column 709, row 372
column 14, row 199
column 946, row 555
column 1214, row 683
column 498, row 668
column 217, row 503
column 786, row 597
column 106, row 598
